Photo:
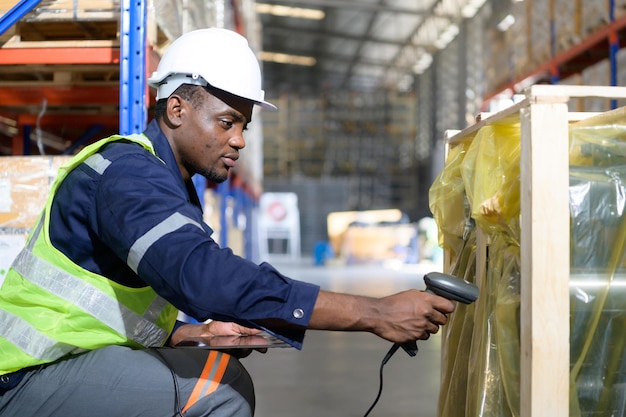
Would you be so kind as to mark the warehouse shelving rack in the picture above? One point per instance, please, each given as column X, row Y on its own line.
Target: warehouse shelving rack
column 600, row 44
column 88, row 76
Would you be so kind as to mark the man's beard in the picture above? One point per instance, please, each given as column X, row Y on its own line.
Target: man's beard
column 213, row 176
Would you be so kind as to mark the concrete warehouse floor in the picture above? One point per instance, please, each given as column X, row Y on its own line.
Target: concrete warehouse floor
column 336, row 373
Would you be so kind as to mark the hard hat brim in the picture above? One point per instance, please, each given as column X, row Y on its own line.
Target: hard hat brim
column 166, row 87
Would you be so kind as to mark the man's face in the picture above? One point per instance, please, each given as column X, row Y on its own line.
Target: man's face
column 211, row 135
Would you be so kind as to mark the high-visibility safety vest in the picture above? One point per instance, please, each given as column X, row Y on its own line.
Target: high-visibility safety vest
column 50, row 307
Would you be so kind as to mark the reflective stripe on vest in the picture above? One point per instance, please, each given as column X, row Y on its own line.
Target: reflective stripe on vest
column 34, row 343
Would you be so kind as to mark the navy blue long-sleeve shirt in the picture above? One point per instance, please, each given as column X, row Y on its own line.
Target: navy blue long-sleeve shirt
column 95, row 219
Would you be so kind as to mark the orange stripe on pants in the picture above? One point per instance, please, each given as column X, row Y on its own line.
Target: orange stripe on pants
column 204, row 380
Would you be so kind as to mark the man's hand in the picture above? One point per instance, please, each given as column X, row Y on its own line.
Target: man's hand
column 210, row 329
column 216, row 328
column 412, row 315
column 400, row 318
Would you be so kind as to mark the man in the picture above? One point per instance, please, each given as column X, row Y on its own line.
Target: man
column 89, row 304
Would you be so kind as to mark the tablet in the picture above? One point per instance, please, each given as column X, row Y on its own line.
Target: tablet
column 256, row 341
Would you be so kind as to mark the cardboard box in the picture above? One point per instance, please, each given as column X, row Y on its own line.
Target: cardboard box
column 362, row 244
column 24, row 187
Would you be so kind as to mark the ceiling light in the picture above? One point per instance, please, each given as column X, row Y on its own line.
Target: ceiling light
column 447, row 36
column 422, row 63
column 506, row 23
column 287, row 59
column 287, row 11
column 468, row 11
column 471, row 8
column 405, row 83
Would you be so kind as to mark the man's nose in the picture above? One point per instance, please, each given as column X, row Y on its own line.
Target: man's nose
column 237, row 140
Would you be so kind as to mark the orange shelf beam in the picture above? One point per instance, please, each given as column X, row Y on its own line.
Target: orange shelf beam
column 109, row 120
column 59, row 56
column 59, row 96
column 61, row 119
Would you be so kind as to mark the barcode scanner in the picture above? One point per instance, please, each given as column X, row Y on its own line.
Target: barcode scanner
column 447, row 286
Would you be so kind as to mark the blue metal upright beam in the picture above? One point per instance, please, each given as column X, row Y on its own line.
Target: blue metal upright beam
column 16, row 13
column 613, row 50
column 223, row 191
column 133, row 114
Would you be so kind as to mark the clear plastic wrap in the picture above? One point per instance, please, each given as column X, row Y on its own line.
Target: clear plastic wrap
column 597, row 283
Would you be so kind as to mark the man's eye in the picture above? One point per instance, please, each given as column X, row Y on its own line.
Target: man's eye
column 227, row 124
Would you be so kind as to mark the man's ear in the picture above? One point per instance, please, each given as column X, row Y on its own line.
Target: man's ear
column 173, row 111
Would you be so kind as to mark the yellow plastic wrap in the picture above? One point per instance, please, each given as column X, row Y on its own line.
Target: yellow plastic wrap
column 490, row 172
column 493, row 361
column 451, row 211
column 457, row 341
column 480, row 358
column 448, row 203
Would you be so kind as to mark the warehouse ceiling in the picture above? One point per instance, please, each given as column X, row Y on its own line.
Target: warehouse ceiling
column 356, row 44
column 353, row 45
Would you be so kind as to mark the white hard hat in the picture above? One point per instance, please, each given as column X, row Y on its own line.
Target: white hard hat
column 217, row 57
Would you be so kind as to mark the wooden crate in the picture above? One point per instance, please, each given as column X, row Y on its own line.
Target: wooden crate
column 545, row 238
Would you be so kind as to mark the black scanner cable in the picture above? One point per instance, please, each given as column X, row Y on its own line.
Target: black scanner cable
column 388, row 356
column 443, row 285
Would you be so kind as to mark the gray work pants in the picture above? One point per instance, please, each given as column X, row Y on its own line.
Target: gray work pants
column 118, row 381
